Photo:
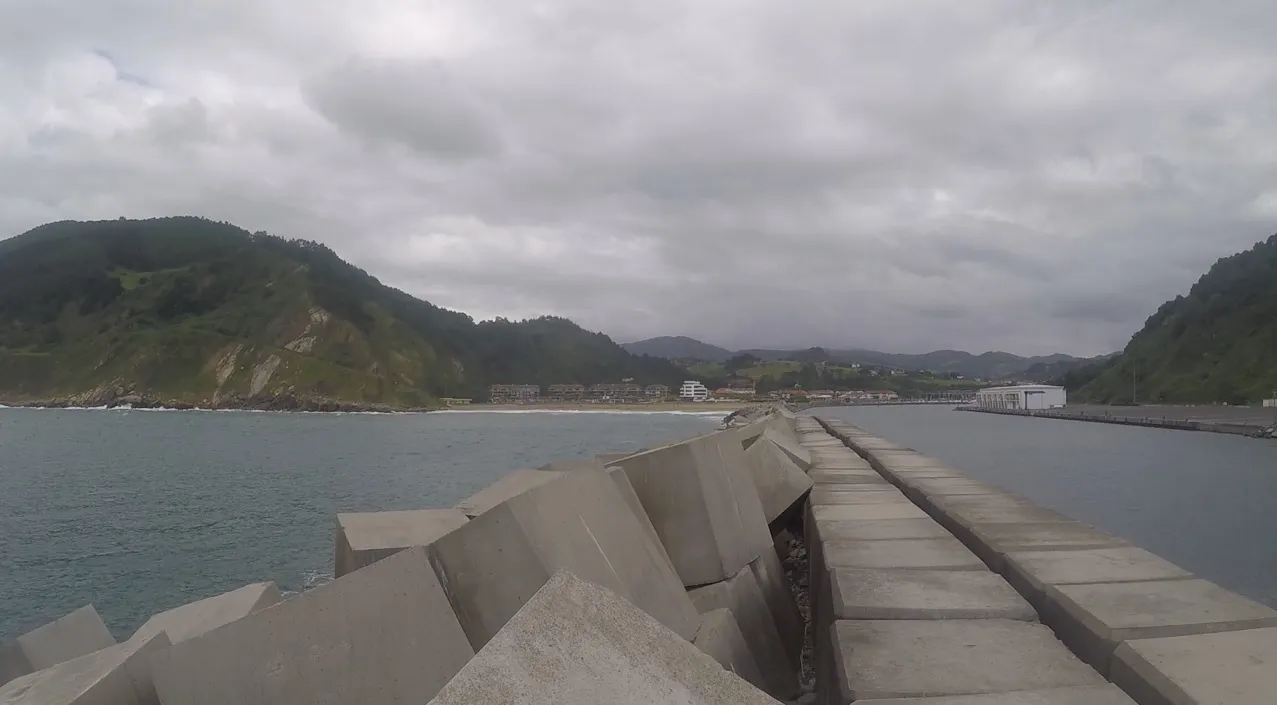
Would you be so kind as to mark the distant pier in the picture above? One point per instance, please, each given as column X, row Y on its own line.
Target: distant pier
column 1254, row 422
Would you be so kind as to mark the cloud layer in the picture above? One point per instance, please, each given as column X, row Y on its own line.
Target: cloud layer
column 982, row 175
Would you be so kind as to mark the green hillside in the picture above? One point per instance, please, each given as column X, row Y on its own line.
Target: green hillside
column 187, row 311
column 1218, row 344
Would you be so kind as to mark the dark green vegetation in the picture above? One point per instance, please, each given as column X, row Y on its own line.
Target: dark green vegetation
column 187, row 311
column 1218, row 344
column 678, row 348
column 989, row 365
column 748, row 370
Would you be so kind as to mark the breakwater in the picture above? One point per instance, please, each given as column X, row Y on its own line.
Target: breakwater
column 1153, row 629
column 1248, row 423
column 733, row 567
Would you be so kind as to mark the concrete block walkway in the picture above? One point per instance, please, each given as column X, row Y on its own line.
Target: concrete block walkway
column 938, row 589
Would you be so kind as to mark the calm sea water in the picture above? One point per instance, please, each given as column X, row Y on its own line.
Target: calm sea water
column 1206, row 502
column 139, row 511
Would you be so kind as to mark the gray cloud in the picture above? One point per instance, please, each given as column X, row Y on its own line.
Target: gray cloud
column 906, row 176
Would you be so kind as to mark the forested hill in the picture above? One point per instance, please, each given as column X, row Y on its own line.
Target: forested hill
column 188, row 311
column 1218, row 344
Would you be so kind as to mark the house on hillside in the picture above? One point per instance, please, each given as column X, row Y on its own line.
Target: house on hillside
column 625, row 392
column 656, row 392
column 567, row 392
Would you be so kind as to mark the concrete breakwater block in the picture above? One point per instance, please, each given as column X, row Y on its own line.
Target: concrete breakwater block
column 575, row 643
column 770, row 574
column 934, row 554
column 862, row 594
column 780, row 483
column 196, row 618
column 871, row 594
column 847, row 475
column 855, row 494
column 580, row 522
column 743, row 595
column 1031, row 572
column 1086, row 695
column 960, row 513
column 703, row 503
column 117, row 675
column 511, row 485
column 931, row 658
column 993, row 541
column 790, row 445
column 1233, row 668
column 367, row 537
column 721, row 639
column 1093, row 619
column 70, row 636
column 382, row 634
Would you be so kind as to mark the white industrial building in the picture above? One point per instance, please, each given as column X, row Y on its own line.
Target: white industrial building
column 1021, row 397
column 693, row 391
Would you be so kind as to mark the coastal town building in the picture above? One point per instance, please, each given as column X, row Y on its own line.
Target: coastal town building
column 859, row 395
column 514, row 393
column 625, row 392
column 567, row 392
column 733, row 393
column 1022, row 397
column 693, row 390
column 656, row 392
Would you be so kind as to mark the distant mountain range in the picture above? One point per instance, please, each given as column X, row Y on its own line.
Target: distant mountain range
column 989, row 365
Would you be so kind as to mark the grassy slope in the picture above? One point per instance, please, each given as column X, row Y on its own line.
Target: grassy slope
column 1218, row 344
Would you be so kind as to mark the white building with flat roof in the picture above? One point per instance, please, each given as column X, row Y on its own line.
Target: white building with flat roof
column 1022, row 397
column 693, row 390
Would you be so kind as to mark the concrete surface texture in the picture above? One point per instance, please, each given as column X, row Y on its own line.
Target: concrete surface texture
column 1031, row 571
column 721, row 639
column 780, row 483
column 1094, row 619
column 993, row 541
column 622, row 482
column 858, row 593
column 917, row 658
column 13, row 663
column 116, row 675
column 880, row 510
column 744, row 597
column 790, row 445
column 935, row 554
column 382, row 634
column 703, row 504
column 1227, row 668
column 579, row 522
column 848, row 472
column 511, row 485
column 70, row 636
column 193, row 619
column 367, row 537
column 844, row 531
column 577, row 643
column 855, row 494
column 1086, row 695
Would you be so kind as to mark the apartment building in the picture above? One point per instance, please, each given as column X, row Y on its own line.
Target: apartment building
column 514, row 393
column 567, row 392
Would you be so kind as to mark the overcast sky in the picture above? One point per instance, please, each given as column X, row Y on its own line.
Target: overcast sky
column 1023, row 176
